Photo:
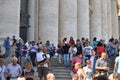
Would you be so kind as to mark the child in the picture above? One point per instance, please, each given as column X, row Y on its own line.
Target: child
column 75, row 76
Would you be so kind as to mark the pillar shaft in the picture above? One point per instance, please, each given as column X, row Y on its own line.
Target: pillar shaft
column 83, row 19
column 48, row 20
column 31, row 12
column 96, row 29
column 115, row 28
column 109, row 17
column 104, row 11
column 68, row 18
column 36, row 20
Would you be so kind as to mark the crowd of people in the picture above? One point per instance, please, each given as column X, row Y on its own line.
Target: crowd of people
column 88, row 61
column 24, row 57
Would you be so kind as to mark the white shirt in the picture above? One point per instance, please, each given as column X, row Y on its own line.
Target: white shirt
column 14, row 70
column 39, row 57
column 72, row 50
column 33, row 48
column 88, row 50
column 48, row 57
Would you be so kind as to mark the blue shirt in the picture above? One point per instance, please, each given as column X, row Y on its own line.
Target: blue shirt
column 7, row 43
column 23, row 53
column 118, row 65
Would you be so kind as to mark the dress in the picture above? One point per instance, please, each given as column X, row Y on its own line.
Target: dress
column 88, row 73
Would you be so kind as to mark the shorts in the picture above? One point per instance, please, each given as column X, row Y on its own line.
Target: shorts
column 42, row 72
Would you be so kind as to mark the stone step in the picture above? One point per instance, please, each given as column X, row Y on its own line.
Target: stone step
column 62, row 73
column 61, row 67
column 63, row 76
column 61, row 70
column 63, row 79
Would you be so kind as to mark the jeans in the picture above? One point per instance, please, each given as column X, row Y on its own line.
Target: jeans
column 60, row 58
column 33, row 57
column 7, row 51
column 66, row 59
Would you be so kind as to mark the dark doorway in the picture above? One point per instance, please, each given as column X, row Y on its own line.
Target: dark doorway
column 24, row 17
column 23, row 32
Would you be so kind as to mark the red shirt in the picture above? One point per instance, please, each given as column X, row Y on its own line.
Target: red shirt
column 100, row 49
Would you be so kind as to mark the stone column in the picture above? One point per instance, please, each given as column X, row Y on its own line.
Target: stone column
column 68, row 18
column 104, row 11
column 83, row 29
column 118, row 5
column 36, row 20
column 31, row 12
column 9, row 18
column 115, row 28
column 109, row 19
column 48, row 20
column 95, row 27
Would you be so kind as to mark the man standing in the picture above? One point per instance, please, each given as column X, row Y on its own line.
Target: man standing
column 87, row 51
column 33, row 50
column 65, row 53
column 117, row 64
column 43, row 62
column 13, row 69
column 101, row 65
column 7, row 47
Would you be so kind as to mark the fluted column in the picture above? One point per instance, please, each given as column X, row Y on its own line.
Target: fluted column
column 104, row 20
column 48, row 20
column 68, row 19
column 115, row 28
column 118, row 5
column 95, row 28
column 36, row 20
column 31, row 12
column 9, row 18
column 83, row 28
column 109, row 18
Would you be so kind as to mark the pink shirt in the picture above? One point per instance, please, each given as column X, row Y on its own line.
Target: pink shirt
column 75, row 60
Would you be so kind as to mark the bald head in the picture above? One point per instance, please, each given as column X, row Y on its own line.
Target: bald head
column 104, row 55
column 50, row 76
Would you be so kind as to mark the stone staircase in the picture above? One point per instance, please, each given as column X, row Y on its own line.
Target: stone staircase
column 61, row 72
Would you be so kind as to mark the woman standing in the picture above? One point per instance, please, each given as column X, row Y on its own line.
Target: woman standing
column 29, row 72
column 80, row 71
column 88, row 70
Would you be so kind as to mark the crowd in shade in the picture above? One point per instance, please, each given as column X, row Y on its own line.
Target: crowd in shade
column 88, row 60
